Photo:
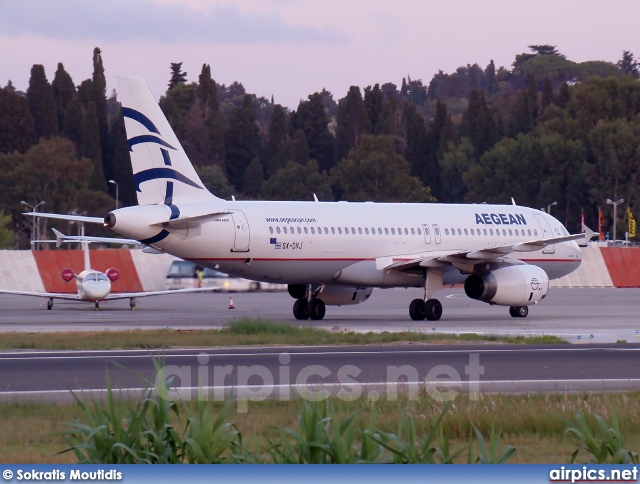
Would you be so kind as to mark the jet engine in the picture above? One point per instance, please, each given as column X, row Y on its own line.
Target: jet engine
column 113, row 274
column 333, row 295
column 519, row 285
column 67, row 275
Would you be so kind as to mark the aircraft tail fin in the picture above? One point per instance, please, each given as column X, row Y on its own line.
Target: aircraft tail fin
column 162, row 171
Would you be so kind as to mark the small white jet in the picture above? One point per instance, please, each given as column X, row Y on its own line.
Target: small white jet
column 334, row 253
column 95, row 286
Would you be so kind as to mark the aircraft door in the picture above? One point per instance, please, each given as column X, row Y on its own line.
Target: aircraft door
column 546, row 233
column 427, row 233
column 436, row 233
column 241, row 227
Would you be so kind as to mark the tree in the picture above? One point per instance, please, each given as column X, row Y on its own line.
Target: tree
column 374, row 171
column 7, row 237
column 298, row 182
column 17, row 129
column 177, row 76
column 91, row 148
column 214, row 179
column 242, row 143
column 490, row 83
column 41, row 103
column 276, row 136
column 353, row 123
column 628, row 64
column 416, row 139
column 373, row 104
column 253, row 179
column 122, row 170
column 300, row 148
column 312, row 119
column 454, row 164
column 73, row 127
column 63, row 92
column 99, row 85
column 547, row 95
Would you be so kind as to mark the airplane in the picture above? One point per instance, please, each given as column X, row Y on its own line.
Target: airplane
column 93, row 285
column 334, row 253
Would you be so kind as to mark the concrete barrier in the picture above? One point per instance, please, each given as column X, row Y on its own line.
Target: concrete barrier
column 623, row 264
column 593, row 272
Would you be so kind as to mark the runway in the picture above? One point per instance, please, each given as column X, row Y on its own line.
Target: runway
column 370, row 372
column 581, row 316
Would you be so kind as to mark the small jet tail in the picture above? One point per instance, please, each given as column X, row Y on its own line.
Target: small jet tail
column 162, row 171
column 61, row 238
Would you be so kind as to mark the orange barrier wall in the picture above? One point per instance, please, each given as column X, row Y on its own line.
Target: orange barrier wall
column 623, row 264
column 51, row 263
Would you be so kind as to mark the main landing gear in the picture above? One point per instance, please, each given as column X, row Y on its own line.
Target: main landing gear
column 519, row 311
column 132, row 304
column 49, row 303
column 428, row 308
column 309, row 307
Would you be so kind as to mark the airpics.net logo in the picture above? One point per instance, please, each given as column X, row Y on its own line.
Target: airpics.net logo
column 589, row 474
column 284, row 381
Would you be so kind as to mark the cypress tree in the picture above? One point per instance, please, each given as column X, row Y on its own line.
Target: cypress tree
column 122, row 171
column 242, row 142
column 85, row 92
column 74, row 124
column 532, row 90
column 374, row 104
column 177, row 76
column 300, row 148
column 564, row 96
column 490, row 83
column 91, row 148
column 253, row 179
column 17, row 129
column 41, row 103
column 353, row 123
column 547, row 95
column 99, row 84
column 63, row 92
column 277, row 135
column 312, row 119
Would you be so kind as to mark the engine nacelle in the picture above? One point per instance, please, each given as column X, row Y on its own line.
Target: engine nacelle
column 67, row 275
column 333, row 295
column 520, row 285
column 113, row 274
column 297, row 291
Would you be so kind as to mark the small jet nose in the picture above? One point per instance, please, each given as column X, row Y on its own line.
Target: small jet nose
column 97, row 290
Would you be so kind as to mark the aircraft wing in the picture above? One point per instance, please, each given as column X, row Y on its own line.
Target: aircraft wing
column 62, row 238
column 129, row 295
column 463, row 259
column 73, row 218
column 48, row 295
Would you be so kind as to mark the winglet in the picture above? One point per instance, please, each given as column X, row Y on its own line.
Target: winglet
column 513, row 202
column 588, row 235
column 60, row 237
column 315, row 198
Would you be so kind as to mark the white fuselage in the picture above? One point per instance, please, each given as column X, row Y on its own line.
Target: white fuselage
column 92, row 285
column 347, row 243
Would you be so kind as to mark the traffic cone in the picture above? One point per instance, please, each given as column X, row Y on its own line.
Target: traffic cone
column 231, row 306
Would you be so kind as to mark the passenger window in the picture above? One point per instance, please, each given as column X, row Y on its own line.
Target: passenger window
column 529, row 232
column 504, row 232
column 270, row 230
column 386, row 231
column 437, row 230
column 466, row 232
column 366, row 230
column 278, row 229
column 306, row 231
column 313, row 230
column 510, row 232
column 446, row 231
column 491, row 231
column 413, row 231
column 340, row 230
column 535, row 233
column 373, row 230
column 333, row 230
column 353, row 230
column 346, row 230
column 380, row 231
column 284, row 229
column 299, row 231
column 459, row 232
column 472, row 232
column 485, row 231
column 326, row 231
column 393, row 231
column 419, row 231
column 360, row 230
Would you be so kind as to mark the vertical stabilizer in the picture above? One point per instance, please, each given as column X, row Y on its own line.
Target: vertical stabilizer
column 162, row 171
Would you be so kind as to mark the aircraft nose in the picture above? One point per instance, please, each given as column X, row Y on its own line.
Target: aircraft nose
column 98, row 290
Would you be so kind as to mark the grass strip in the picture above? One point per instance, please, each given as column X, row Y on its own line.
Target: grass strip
column 243, row 332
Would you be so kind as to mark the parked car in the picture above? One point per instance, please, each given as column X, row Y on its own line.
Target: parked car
column 183, row 274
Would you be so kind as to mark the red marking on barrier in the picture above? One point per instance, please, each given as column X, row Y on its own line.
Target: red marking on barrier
column 623, row 264
column 51, row 263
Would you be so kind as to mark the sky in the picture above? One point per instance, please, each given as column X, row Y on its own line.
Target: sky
column 289, row 49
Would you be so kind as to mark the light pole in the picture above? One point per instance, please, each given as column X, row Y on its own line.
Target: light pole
column 549, row 207
column 113, row 182
column 35, row 224
column 615, row 218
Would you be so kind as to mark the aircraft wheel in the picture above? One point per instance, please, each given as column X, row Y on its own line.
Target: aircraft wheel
column 433, row 310
column 97, row 308
column 49, row 304
column 416, row 310
column 316, row 309
column 519, row 311
column 512, row 312
column 132, row 304
column 300, row 309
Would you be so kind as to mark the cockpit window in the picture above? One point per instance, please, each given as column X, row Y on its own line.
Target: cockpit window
column 102, row 277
